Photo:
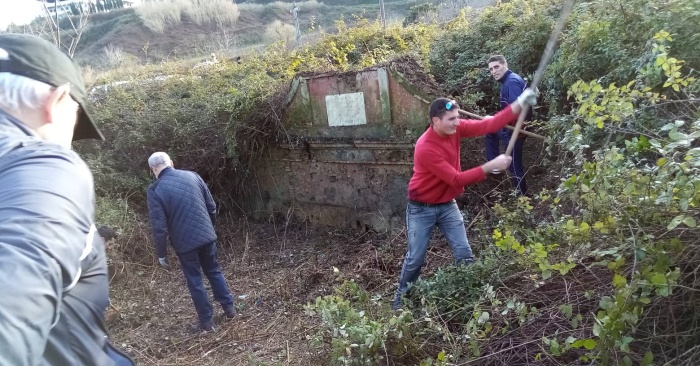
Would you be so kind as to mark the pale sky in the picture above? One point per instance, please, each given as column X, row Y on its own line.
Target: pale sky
column 18, row 11
column 22, row 11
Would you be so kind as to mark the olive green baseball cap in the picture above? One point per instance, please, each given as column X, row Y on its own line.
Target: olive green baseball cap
column 35, row 58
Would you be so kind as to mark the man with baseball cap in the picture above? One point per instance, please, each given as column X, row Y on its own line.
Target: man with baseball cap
column 53, row 272
column 438, row 179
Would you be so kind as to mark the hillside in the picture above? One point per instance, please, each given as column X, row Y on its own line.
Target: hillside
column 123, row 30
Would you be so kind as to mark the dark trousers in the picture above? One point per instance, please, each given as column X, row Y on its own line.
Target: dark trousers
column 516, row 169
column 193, row 264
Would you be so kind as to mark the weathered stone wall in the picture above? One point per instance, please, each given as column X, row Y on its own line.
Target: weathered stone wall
column 346, row 176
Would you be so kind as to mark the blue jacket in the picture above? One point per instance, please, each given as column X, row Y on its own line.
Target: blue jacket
column 180, row 205
column 512, row 85
column 53, row 272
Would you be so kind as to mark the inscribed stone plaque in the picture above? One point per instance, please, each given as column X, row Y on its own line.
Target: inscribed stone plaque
column 346, row 109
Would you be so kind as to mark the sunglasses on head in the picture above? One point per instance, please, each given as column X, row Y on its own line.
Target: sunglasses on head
column 450, row 105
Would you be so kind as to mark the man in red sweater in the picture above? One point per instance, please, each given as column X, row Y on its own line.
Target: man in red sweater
column 438, row 179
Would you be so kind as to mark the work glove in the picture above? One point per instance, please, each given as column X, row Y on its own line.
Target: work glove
column 527, row 98
column 164, row 263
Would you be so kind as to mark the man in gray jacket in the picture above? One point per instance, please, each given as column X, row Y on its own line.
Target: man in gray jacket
column 53, row 272
column 180, row 205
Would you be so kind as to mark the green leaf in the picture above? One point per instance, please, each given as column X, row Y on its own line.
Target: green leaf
column 607, row 303
column 689, row 221
column 441, row 356
column 675, row 222
column 664, row 290
column 619, row 281
column 546, row 274
column 648, row 359
column 567, row 310
column 668, row 126
column 658, row 279
column 625, row 346
column 677, row 136
column 589, row 344
column 483, row 318
column 596, row 330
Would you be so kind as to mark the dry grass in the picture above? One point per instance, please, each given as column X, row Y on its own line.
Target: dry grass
column 278, row 31
column 160, row 15
column 214, row 12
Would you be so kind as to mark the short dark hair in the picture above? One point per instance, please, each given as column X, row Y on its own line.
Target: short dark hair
column 439, row 107
column 107, row 233
column 500, row 58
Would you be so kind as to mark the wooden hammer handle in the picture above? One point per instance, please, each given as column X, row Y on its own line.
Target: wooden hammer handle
column 527, row 133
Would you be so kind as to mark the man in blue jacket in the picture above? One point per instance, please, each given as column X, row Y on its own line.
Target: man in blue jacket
column 53, row 272
column 512, row 85
column 180, row 206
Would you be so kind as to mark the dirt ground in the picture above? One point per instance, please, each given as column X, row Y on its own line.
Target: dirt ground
column 273, row 271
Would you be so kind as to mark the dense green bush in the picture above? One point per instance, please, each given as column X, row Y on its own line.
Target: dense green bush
column 608, row 41
column 603, row 40
column 360, row 331
column 519, row 30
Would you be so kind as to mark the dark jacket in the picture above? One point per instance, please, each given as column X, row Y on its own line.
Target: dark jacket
column 180, row 205
column 53, row 272
column 512, row 85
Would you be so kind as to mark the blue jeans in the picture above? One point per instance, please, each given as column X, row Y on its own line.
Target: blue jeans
column 420, row 221
column 193, row 263
column 493, row 149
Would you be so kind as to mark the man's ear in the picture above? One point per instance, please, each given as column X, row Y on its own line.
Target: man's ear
column 55, row 97
column 434, row 120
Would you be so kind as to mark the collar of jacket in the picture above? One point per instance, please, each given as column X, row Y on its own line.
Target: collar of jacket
column 505, row 76
column 165, row 171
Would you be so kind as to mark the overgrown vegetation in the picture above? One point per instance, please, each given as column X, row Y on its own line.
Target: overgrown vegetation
column 604, row 40
column 217, row 118
column 600, row 268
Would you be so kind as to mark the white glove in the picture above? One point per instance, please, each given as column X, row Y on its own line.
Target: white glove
column 164, row 263
column 527, row 98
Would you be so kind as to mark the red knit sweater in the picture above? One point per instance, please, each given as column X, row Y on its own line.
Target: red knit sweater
column 437, row 173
